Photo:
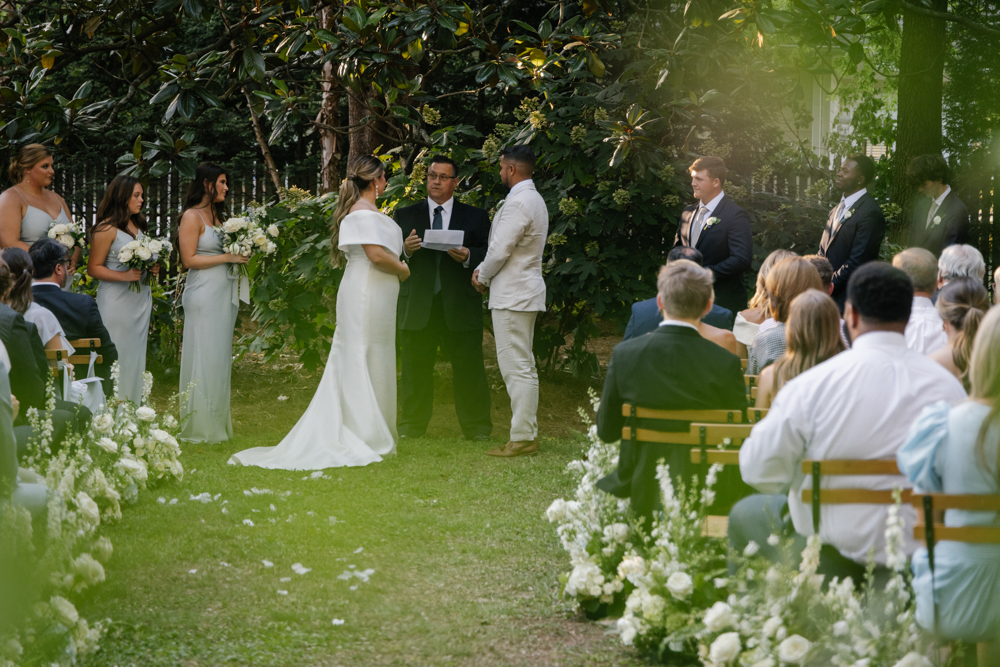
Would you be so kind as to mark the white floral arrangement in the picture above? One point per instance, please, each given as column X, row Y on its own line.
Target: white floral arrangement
column 143, row 253
column 243, row 236
column 125, row 449
column 68, row 234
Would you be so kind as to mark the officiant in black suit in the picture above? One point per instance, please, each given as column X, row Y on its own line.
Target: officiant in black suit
column 718, row 228
column 855, row 227
column 438, row 306
column 940, row 218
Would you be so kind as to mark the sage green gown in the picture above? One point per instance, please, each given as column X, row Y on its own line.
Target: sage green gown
column 126, row 315
column 210, row 307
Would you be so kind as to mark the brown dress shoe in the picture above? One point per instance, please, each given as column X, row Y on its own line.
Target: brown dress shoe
column 512, row 449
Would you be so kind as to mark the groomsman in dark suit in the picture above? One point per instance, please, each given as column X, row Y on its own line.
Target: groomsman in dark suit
column 718, row 228
column 439, row 306
column 855, row 227
column 940, row 218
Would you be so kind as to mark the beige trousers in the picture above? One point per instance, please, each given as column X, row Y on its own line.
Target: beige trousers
column 514, row 332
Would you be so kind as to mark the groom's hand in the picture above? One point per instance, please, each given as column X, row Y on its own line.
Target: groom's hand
column 481, row 288
column 459, row 254
column 412, row 243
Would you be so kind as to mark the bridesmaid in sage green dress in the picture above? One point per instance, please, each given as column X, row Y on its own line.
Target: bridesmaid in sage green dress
column 125, row 312
column 28, row 209
column 210, row 303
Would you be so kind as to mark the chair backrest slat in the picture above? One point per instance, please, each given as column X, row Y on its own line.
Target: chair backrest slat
column 853, row 467
column 853, row 496
column 751, row 380
column 710, row 435
column 971, row 502
column 968, row 534
column 706, row 416
column 85, row 343
column 726, row 457
column 818, row 496
column 754, row 415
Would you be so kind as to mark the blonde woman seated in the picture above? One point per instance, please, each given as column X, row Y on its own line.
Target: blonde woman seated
column 18, row 296
column 748, row 321
column 789, row 278
column 961, row 303
column 955, row 450
column 812, row 335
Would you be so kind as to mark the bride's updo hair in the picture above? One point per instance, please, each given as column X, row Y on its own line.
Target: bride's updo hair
column 361, row 171
column 25, row 159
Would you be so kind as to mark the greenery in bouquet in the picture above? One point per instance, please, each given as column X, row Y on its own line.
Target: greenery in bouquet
column 68, row 234
column 144, row 253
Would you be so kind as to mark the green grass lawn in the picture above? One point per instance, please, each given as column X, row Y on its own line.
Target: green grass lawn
column 465, row 565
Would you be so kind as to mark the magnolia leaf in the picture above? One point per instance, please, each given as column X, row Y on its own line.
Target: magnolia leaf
column 595, row 65
column 48, row 61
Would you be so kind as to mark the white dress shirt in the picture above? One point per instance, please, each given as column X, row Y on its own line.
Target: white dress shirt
column 677, row 323
column 851, row 200
column 935, row 205
column 446, row 209
column 857, row 405
column 925, row 330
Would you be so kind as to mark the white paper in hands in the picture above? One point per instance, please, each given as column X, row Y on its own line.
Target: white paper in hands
column 443, row 239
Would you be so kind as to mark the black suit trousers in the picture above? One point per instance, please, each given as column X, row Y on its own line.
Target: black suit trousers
column 464, row 349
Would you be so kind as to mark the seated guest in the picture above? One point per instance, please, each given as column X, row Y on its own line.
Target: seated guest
column 958, row 261
column 674, row 368
column 961, row 304
column 812, row 335
column 857, row 405
column 955, row 450
column 77, row 313
column 31, row 496
column 646, row 315
column 18, row 296
column 825, row 270
column 789, row 278
column 925, row 332
column 749, row 321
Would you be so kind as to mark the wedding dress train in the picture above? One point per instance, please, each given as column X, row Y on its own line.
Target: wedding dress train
column 351, row 420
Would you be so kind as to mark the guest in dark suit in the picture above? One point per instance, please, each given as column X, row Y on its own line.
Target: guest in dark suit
column 855, row 227
column 439, row 306
column 646, row 315
column 940, row 218
column 77, row 313
column 720, row 230
column 673, row 368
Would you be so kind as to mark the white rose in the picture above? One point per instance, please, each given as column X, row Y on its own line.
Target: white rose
column 556, row 511
column 652, row 606
column 169, row 421
column 260, row 240
column 144, row 253
column 146, row 413
column 155, row 247
column 751, row 549
column 270, row 247
column 725, row 649
column 124, row 255
column 719, row 617
column 628, row 630
column 134, row 469
column 103, row 548
column 615, row 532
column 771, row 626
column 794, row 649
column 108, row 445
column 840, row 629
column 65, row 610
column 913, row 659
column 680, row 585
column 66, row 240
column 273, row 230
column 88, row 508
column 88, row 569
column 631, row 567
column 103, row 423
column 58, row 230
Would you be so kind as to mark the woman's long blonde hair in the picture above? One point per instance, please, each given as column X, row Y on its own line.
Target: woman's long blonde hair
column 361, row 171
column 984, row 378
column 759, row 299
column 789, row 278
column 962, row 303
column 812, row 336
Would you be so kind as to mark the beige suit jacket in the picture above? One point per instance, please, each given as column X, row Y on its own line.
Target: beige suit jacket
column 513, row 265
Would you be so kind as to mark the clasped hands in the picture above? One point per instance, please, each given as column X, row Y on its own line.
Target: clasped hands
column 412, row 243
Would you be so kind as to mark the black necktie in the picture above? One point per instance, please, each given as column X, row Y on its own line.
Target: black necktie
column 437, row 224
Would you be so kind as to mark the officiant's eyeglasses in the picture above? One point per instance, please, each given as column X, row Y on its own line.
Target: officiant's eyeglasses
column 439, row 177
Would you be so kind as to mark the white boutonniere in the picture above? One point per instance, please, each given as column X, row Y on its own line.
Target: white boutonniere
column 711, row 222
column 847, row 216
column 937, row 220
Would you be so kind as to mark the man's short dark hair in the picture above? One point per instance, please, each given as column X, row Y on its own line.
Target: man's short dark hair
column 881, row 294
column 444, row 159
column 823, row 267
column 865, row 165
column 714, row 165
column 685, row 252
column 521, row 155
column 45, row 255
column 927, row 167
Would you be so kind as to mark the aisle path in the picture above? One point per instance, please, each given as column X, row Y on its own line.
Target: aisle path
column 465, row 566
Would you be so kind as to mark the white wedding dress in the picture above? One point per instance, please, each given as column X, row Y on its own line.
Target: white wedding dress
column 351, row 420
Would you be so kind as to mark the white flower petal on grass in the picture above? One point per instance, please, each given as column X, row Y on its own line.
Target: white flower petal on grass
column 173, row 501
column 285, row 580
column 216, row 496
column 225, row 510
column 297, row 568
column 161, row 500
column 282, row 398
column 248, row 522
column 281, row 592
column 267, row 563
column 260, row 492
column 202, row 497
column 354, row 588
column 317, row 474
column 338, row 621
column 273, row 508
column 247, row 493
column 359, row 550
column 192, row 571
column 224, row 563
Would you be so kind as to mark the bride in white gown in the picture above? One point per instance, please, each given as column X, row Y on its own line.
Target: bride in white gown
column 351, row 420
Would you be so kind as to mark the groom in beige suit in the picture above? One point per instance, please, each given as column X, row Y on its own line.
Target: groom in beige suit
column 512, row 270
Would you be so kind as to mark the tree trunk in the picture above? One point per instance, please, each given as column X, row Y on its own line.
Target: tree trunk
column 363, row 139
column 921, row 83
column 329, row 115
column 265, row 150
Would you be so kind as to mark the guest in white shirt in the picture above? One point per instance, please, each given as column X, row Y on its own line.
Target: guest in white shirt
column 962, row 304
column 925, row 331
column 857, row 405
column 512, row 270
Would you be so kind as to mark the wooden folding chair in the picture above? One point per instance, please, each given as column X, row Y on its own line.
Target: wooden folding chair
column 931, row 531
column 743, row 364
column 818, row 496
column 55, row 356
column 754, row 415
column 88, row 344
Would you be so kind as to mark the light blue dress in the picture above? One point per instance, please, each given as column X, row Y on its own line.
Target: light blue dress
column 940, row 456
column 36, row 222
column 126, row 315
column 210, row 308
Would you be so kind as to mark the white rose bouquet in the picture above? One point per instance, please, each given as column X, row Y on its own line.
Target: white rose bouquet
column 143, row 254
column 245, row 237
column 69, row 235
